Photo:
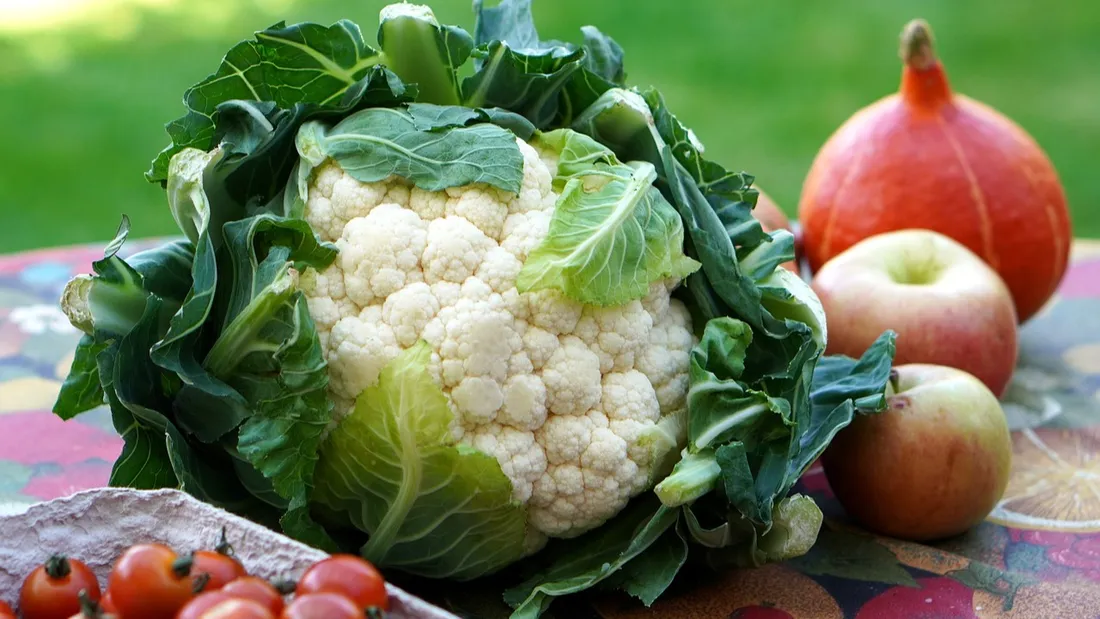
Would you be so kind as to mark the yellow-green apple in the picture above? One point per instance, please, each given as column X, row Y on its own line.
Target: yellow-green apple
column 932, row 465
column 772, row 218
column 947, row 306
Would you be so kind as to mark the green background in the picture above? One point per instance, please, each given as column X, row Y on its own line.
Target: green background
column 762, row 83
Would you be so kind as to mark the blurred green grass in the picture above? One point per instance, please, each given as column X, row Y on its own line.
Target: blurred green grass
column 762, row 83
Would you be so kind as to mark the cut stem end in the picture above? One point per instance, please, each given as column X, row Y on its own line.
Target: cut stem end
column 916, row 45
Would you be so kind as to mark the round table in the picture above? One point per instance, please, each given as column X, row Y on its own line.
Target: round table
column 1039, row 556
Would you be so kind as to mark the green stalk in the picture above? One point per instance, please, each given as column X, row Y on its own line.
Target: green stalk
column 742, row 416
column 796, row 522
column 692, row 477
column 621, row 120
column 95, row 304
column 238, row 339
column 421, row 52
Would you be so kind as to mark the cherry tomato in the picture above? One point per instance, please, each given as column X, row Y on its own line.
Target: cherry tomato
column 322, row 606
column 349, row 576
column 150, row 581
column 238, row 609
column 220, row 569
column 257, row 590
column 106, row 604
column 6, row 612
column 91, row 610
column 85, row 615
column 202, row 603
column 52, row 590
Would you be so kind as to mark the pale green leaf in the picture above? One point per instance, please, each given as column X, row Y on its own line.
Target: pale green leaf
column 392, row 469
column 607, row 244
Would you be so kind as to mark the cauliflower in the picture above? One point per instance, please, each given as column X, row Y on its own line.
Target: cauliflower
column 560, row 393
column 424, row 312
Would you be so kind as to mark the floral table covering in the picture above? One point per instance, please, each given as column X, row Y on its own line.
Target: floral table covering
column 1037, row 556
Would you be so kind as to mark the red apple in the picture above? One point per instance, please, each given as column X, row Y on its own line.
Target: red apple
column 932, row 465
column 946, row 304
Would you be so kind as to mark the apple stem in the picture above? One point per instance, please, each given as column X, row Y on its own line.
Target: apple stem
column 894, row 378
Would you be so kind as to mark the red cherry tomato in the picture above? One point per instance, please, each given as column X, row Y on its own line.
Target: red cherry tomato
column 202, row 603
column 52, row 590
column 106, row 604
column 88, row 608
column 220, row 569
column 150, row 581
column 257, row 590
column 238, row 609
column 349, row 576
column 6, row 612
column 322, row 606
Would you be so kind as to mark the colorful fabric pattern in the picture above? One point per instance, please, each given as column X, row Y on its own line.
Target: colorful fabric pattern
column 1038, row 555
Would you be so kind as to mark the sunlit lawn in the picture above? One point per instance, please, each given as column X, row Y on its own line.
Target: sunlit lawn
column 762, row 83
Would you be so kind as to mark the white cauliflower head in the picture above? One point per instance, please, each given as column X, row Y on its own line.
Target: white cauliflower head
column 564, row 396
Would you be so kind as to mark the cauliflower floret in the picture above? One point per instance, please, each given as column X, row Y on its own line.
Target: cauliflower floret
column 448, row 293
column 549, row 159
column 477, row 399
column 409, row 310
column 565, row 437
column 319, row 210
column 536, row 192
column 629, row 396
column 524, row 231
column 665, row 360
column 520, row 364
column 326, row 298
column 474, row 289
column 428, row 204
column 606, row 457
column 540, row 346
column 380, row 253
column 482, row 205
column 479, row 339
column 615, row 334
column 324, row 179
column 516, row 303
column 455, row 250
column 553, row 311
column 520, row 456
column 572, row 377
column 499, row 269
column 589, row 477
column 351, row 198
column 524, row 405
column 359, row 347
column 398, row 193
column 656, row 301
column 631, row 406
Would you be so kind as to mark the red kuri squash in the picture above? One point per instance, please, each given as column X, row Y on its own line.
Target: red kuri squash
column 927, row 157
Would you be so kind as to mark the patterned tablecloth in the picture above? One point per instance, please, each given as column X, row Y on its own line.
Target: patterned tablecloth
column 1037, row 556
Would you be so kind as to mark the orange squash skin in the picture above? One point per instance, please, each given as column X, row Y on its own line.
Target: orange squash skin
column 930, row 158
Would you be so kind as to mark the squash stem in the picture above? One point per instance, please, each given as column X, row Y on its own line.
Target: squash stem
column 916, row 45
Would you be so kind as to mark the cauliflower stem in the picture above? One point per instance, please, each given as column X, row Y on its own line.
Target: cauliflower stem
column 470, row 306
